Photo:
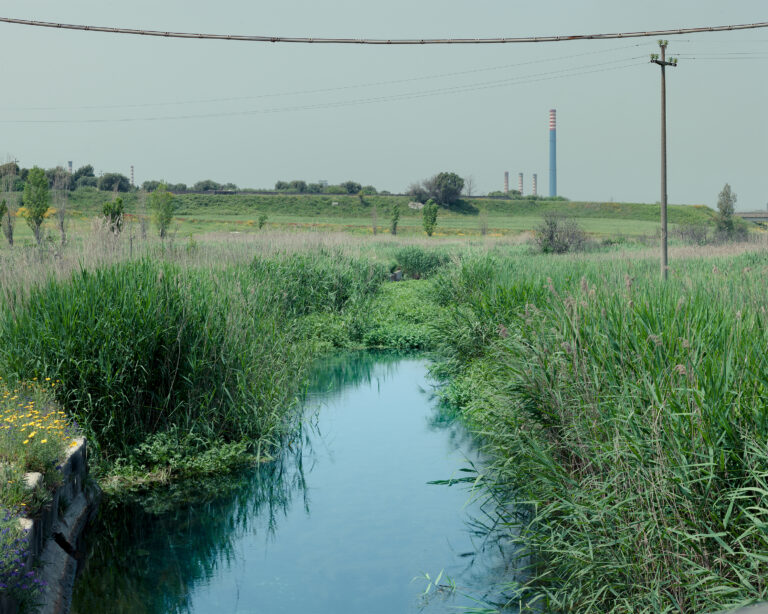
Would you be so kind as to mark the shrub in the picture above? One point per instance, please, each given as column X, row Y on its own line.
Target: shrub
column 113, row 213
column 558, row 235
column 420, row 262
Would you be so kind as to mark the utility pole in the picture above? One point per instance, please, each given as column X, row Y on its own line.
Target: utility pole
column 662, row 61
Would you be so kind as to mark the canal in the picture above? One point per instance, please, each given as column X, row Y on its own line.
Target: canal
column 347, row 520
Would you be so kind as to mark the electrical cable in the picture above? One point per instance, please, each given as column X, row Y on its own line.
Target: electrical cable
column 381, row 41
column 321, row 90
column 469, row 88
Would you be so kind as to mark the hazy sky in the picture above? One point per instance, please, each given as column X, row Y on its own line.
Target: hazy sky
column 474, row 110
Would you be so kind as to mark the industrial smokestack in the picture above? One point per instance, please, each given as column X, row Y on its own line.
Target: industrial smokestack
column 535, row 184
column 506, row 182
column 553, row 152
column 69, row 165
column 132, row 181
column 520, row 183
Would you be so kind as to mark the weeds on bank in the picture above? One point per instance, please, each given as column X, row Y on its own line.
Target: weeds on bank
column 627, row 420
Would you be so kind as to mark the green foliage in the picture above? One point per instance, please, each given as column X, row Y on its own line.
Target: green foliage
column 162, row 204
column 395, row 218
column 114, row 182
column 351, row 187
column 113, row 212
column 262, row 220
column 36, row 200
column 400, row 317
column 151, row 186
column 417, row 262
column 429, row 217
column 297, row 186
column 629, row 414
column 558, row 235
column 323, row 281
column 83, row 171
column 207, row 185
column 444, row 188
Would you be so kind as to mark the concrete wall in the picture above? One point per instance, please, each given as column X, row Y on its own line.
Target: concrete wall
column 54, row 533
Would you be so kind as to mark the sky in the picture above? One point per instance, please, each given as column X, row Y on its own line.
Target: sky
column 391, row 116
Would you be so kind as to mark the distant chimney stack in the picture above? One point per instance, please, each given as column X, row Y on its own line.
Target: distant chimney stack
column 520, row 183
column 552, row 152
column 535, row 184
column 506, row 182
column 69, row 165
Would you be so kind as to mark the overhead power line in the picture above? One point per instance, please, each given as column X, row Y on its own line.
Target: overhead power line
column 324, row 90
column 381, row 41
column 468, row 88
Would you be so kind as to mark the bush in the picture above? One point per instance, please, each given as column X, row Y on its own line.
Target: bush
column 559, row 235
column 323, row 281
column 695, row 234
column 419, row 262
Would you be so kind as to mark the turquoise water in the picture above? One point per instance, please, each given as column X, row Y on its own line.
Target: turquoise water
column 346, row 522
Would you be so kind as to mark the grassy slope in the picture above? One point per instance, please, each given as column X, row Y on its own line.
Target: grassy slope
column 201, row 213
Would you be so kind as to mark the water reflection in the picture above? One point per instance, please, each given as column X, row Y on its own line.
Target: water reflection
column 341, row 523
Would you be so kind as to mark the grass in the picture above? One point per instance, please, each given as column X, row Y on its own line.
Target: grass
column 198, row 213
column 625, row 420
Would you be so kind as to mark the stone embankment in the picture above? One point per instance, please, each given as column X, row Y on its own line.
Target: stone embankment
column 54, row 533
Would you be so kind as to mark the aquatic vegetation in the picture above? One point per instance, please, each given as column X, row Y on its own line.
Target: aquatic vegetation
column 201, row 358
column 626, row 422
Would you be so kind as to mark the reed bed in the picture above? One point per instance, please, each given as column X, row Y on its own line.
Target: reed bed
column 626, row 421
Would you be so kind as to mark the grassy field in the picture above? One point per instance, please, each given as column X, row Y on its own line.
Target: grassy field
column 623, row 419
column 198, row 214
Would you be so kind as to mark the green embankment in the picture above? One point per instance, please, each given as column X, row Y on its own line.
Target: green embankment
column 239, row 212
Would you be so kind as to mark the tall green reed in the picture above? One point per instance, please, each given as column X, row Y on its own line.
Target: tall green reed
column 627, row 423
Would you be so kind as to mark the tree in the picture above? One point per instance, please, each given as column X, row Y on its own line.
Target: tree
column 114, row 182
column 151, row 185
column 351, row 187
column 281, row 185
column 395, row 218
column 83, row 171
column 444, row 188
column 36, row 200
column 726, row 202
column 86, row 182
column 429, row 217
column 162, row 204
column 113, row 213
column 61, row 181
column 262, row 220
column 469, row 186
column 207, row 185
column 8, row 179
column 418, row 192
column 447, row 188
column 297, row 185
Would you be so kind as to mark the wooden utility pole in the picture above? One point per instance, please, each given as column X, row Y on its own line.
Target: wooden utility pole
column 662, row 61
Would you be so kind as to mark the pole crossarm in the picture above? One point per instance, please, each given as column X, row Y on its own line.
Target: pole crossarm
column 380, row 41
